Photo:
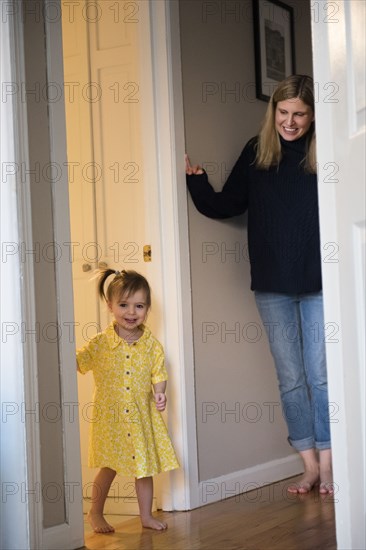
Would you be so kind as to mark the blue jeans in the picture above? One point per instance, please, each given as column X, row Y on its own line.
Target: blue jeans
column 295, row 328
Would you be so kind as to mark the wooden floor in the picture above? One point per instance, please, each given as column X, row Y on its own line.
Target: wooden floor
column 265, row 519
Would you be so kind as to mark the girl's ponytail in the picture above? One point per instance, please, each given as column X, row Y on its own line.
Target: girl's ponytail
column 103, row 276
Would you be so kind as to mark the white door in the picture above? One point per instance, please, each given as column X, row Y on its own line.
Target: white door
column 112, row 204
column 339, row 72
column 82, row 201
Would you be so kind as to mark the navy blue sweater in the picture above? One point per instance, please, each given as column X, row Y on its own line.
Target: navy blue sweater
column 283, row 220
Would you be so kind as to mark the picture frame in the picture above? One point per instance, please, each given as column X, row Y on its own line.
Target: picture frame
column 274, row 46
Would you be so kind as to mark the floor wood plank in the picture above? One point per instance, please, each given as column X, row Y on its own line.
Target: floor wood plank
column 265, row 519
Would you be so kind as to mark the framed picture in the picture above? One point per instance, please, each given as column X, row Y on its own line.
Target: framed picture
column 273, row 45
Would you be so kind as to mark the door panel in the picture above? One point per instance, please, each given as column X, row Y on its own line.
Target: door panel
column 120, row 206
column 83, row 250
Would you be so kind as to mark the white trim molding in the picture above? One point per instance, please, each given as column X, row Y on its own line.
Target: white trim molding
column 240, row 483
column 182, row 491
column 14, row 475
column 70, row 534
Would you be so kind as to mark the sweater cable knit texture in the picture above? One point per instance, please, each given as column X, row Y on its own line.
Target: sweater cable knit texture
column 283, row 218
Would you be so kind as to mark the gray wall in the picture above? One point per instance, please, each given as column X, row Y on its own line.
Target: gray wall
column 239, row 421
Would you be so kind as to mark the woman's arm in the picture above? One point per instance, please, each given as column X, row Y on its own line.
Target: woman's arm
column 232, row 200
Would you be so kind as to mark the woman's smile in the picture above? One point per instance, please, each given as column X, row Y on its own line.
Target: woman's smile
column 293, row 118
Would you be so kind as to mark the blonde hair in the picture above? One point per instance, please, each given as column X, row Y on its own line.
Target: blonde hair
column 124, row 283
column 269, row 145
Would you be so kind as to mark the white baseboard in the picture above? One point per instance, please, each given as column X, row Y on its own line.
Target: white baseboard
column 251, row 479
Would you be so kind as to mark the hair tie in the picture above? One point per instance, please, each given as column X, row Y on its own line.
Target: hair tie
column 117, row 273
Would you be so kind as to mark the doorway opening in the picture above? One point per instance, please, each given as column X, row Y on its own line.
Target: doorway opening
column 112, row 206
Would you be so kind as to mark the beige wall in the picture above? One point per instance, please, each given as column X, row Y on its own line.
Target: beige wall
column 239, row 422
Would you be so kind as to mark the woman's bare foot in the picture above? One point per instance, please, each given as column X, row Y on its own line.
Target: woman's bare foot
column 311, row 473
column 152, row 523
column 326, row 474
column 305, row 484
column 99, row 524
column 326, row 482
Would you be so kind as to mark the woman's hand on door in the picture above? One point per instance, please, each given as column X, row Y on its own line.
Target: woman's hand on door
column 192, row 170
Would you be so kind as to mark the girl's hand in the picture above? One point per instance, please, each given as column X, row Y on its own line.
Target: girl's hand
column 192, row 170
column 160, row 401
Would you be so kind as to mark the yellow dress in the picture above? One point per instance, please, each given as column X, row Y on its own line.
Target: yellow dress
column 127, row 433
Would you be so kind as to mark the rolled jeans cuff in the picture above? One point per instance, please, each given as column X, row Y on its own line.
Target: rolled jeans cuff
column 322, row 445
column 309, row 443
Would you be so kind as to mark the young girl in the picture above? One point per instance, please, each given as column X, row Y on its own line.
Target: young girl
column 128, row 435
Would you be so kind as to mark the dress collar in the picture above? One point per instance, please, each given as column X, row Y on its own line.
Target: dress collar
column 114, row 340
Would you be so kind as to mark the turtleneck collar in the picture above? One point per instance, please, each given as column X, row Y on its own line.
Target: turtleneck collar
column 298, row 145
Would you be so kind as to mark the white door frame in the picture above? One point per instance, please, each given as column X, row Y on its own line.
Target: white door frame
column 173, row 228
column 338, row 141
column 14, row 473
column 72, row 532
column 29, row 498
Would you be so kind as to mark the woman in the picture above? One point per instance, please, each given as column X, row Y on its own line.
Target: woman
column 275, row 180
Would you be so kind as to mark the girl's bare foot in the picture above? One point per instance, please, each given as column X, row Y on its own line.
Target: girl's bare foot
column 152, row 523
column 99, row 524
column 144, row 492
column 305, row 484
